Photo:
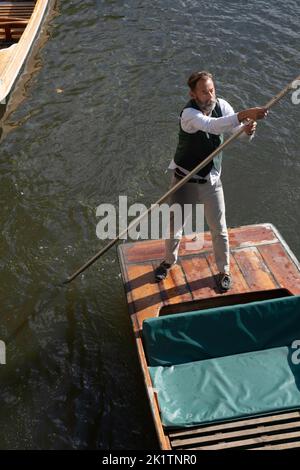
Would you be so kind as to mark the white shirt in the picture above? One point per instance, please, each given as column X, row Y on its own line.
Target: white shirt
column 193, row 120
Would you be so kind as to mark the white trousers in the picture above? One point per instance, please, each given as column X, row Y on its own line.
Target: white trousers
column 211, row 195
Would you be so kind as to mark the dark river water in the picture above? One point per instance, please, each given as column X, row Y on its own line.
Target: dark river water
column 93, row 117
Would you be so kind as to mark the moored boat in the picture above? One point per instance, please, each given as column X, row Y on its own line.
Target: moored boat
column 221, row 371
column 19, row 25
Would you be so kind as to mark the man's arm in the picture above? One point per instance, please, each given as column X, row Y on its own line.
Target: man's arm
column 252, row 114
column 193, row 120
column 249, row 129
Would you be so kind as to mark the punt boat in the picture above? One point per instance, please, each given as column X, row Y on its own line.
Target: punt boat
column 19, row 25
column 221, row 370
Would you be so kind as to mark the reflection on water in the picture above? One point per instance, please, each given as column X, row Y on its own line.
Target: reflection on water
column 94, row 117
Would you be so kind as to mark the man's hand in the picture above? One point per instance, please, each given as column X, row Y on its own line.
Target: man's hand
column 250, row 127
column 252, row 113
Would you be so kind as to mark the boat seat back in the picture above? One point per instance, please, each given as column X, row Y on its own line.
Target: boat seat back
column 224, row 331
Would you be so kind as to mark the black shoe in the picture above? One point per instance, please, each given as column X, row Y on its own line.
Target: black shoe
column 161, row 271
column 224, row 281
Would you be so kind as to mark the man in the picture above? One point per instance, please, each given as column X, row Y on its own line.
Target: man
column 203, row 121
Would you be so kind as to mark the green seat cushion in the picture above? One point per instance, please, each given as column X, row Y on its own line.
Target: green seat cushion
column 227, row 388
column 204, row 334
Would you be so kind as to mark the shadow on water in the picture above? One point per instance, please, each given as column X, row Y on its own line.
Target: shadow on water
column 61, row 377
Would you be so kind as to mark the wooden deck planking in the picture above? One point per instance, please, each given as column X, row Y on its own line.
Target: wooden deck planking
column 239, row 283
column 255, row 272
column 284, row 446
column 258, row 431
column 174, row 288
column 154, row 249
column 244, row 423
column 251, row 235
column 283, row 268
column 244, row 443
column 199, row 277
column 253, row 268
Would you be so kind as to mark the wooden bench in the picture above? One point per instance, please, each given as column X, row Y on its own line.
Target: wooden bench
column 14, row 17
column 19, row 9
column 272, row 432
column 12, row 30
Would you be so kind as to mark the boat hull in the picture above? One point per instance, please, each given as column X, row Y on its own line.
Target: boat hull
column 12, row 58
column 262, row 266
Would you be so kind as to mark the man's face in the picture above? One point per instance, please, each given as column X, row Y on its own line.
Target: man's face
column 205, row 95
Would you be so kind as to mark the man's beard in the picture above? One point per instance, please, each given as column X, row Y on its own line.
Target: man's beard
column 207, row 108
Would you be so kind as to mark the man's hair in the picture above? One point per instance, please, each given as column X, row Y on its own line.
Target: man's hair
column 196, row 76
